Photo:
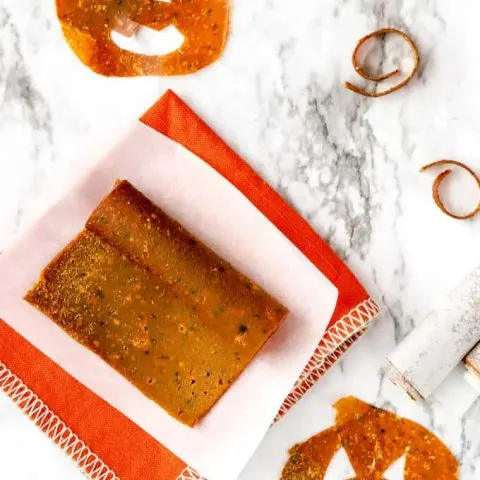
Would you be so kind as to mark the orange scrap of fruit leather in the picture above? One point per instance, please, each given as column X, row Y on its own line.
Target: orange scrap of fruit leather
column 373, row 439
column 88, row 25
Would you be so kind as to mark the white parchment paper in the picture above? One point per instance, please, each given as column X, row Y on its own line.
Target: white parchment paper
column 218, row 214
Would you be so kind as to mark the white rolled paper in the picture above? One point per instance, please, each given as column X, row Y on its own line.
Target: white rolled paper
column 425, row 358
column 472, row 362
column 473, row 380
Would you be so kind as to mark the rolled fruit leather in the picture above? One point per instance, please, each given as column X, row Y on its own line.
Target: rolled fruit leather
column 430, row 353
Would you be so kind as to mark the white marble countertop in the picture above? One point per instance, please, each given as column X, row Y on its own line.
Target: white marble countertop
column 348, row 164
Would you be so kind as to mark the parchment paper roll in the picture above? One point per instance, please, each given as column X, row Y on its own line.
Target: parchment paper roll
column 472, row 361
column 426, row 357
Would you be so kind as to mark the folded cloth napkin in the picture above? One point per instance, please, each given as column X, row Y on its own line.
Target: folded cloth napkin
column 103, row 442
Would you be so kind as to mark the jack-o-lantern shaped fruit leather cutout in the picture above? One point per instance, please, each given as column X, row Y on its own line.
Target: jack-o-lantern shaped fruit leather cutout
column 88, row 25
column 373, row 439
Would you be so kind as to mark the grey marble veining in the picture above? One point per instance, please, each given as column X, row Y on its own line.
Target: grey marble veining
column 348, row 164
column 24, row 117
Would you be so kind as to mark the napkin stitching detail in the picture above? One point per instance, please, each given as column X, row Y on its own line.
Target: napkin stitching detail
column 336, row 341
column 347, row 326
column 190, row 474
column 37, row 411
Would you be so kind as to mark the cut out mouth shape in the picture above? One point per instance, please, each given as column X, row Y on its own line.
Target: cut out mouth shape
column 171, row 38
column 146, row 41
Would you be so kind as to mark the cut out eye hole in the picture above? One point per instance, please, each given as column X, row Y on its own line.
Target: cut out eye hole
column 340, row 467
column 396, row 469
column 147, row 41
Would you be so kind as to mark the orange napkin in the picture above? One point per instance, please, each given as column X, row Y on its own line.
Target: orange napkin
column 105, row 444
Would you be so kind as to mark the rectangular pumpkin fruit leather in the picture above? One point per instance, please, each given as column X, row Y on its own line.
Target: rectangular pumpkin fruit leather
column 230, row 303
column 156, row 304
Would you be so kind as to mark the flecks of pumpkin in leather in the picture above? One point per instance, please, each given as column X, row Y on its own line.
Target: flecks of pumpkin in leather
column 373, row 440
column 88, row 24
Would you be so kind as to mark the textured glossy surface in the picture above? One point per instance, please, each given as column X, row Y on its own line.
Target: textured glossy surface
column 350, row 165
column 88, row 24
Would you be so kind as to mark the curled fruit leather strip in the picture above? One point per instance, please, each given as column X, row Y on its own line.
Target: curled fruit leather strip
column 382, row 77
column 439, row 180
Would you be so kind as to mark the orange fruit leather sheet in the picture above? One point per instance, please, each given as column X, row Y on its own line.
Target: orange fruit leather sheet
column 108, row 445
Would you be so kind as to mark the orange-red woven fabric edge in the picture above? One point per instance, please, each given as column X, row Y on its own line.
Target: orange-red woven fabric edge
column 173, row 118
column 127, row 449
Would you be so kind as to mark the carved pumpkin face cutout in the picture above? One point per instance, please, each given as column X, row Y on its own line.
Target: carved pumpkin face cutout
column 88, row 25
column 373, row 440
